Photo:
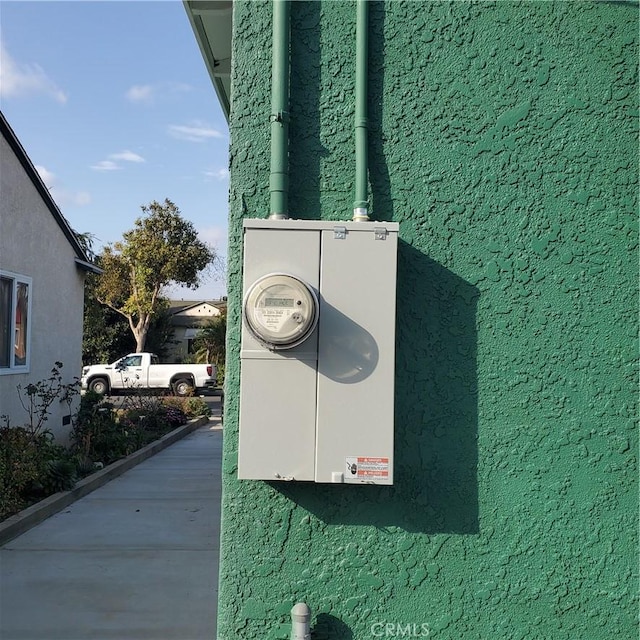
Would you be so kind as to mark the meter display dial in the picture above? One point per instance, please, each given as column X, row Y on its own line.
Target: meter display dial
column 280, row 311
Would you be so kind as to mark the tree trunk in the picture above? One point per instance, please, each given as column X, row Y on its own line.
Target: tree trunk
column 140, row 334
column 140, row 330
column 140, row 340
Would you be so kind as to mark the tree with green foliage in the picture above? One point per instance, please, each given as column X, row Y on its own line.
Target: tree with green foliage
column 86, row 240
column 210, row 341
column 106, row 335
column 161, row 250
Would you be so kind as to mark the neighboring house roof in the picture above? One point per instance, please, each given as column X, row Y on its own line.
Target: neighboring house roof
column 180, row 306
column 81, row 257
column 175, row 306
column 182, row 313
column 191, row 321
column 211, row 22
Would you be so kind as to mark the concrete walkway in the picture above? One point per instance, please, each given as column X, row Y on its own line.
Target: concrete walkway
column 135, row 560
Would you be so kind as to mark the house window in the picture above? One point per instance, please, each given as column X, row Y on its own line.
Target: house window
column 15, row 325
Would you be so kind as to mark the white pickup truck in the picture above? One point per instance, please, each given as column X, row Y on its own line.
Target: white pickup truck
column 137, row 371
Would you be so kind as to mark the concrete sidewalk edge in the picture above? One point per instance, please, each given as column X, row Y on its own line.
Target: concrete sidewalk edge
column 37, row 513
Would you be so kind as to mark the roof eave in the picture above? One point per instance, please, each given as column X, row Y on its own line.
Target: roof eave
column 211, row 21
column 89, row 267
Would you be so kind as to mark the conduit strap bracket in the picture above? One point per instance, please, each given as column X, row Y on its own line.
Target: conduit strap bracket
column 339, row 233
column 380, row 233
column 281, row 117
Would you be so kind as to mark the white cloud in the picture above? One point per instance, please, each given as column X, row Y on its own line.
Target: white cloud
column 112, row 163
column 82, row 198
column 214, row 236
column 128, row 156
column 178, row 87
column 217, row 174
column 106, row 165
column 20, row 80
column 150, row 93
column 140, row 93
column 47, row 177
column 61, row 196
column 195, row 132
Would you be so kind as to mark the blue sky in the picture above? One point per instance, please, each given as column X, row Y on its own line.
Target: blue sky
column 113, row 104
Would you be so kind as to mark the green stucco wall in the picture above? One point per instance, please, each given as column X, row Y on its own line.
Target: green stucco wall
column 503, row 139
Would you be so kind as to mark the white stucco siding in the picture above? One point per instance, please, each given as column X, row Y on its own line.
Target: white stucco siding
column 33, row 244
column 201, row 311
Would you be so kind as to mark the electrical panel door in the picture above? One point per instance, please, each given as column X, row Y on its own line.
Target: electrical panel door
column 318, row 349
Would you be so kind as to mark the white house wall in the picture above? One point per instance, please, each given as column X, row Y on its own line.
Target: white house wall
column 183, row 330
column 201, row 311
column 33, row 244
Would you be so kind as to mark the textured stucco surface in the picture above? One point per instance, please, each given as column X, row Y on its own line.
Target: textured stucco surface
column 503, row 140
column 32, row 244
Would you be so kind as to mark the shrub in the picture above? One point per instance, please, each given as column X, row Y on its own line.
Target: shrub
column 195, row 407
column 100, row 438
column 30, row 464
column 18, row 467
column 191, row 407
column 60, row 475
column 104, row 434
column 175, row 416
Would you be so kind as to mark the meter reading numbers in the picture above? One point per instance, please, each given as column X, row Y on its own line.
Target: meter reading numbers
column 278, row 302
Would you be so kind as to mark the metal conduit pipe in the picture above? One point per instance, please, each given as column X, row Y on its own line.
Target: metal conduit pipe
column 301, row 622
column 279, row 178
column 361, row 203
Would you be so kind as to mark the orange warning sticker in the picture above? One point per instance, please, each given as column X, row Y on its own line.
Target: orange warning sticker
column 367, row 469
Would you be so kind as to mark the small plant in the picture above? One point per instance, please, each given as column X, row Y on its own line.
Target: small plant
column 37, row 398
column 60, row 475
column 175, row 416
column 19, row 468
column 85, row 466
column 192, row 407
column 97, row 435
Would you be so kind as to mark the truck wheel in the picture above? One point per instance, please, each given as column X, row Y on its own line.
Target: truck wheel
column 182, row 387
column 99, row 385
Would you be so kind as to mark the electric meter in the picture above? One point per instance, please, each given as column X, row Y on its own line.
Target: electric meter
column 318, row 351
column 280, row 311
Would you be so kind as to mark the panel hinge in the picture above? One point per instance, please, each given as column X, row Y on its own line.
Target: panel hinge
column 380, row 233
column 339, row 233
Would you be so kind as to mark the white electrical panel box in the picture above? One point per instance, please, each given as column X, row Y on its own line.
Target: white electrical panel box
column 318, row 351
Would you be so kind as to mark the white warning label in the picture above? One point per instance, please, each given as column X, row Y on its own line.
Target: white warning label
column 273, row 319
column 366, row 469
